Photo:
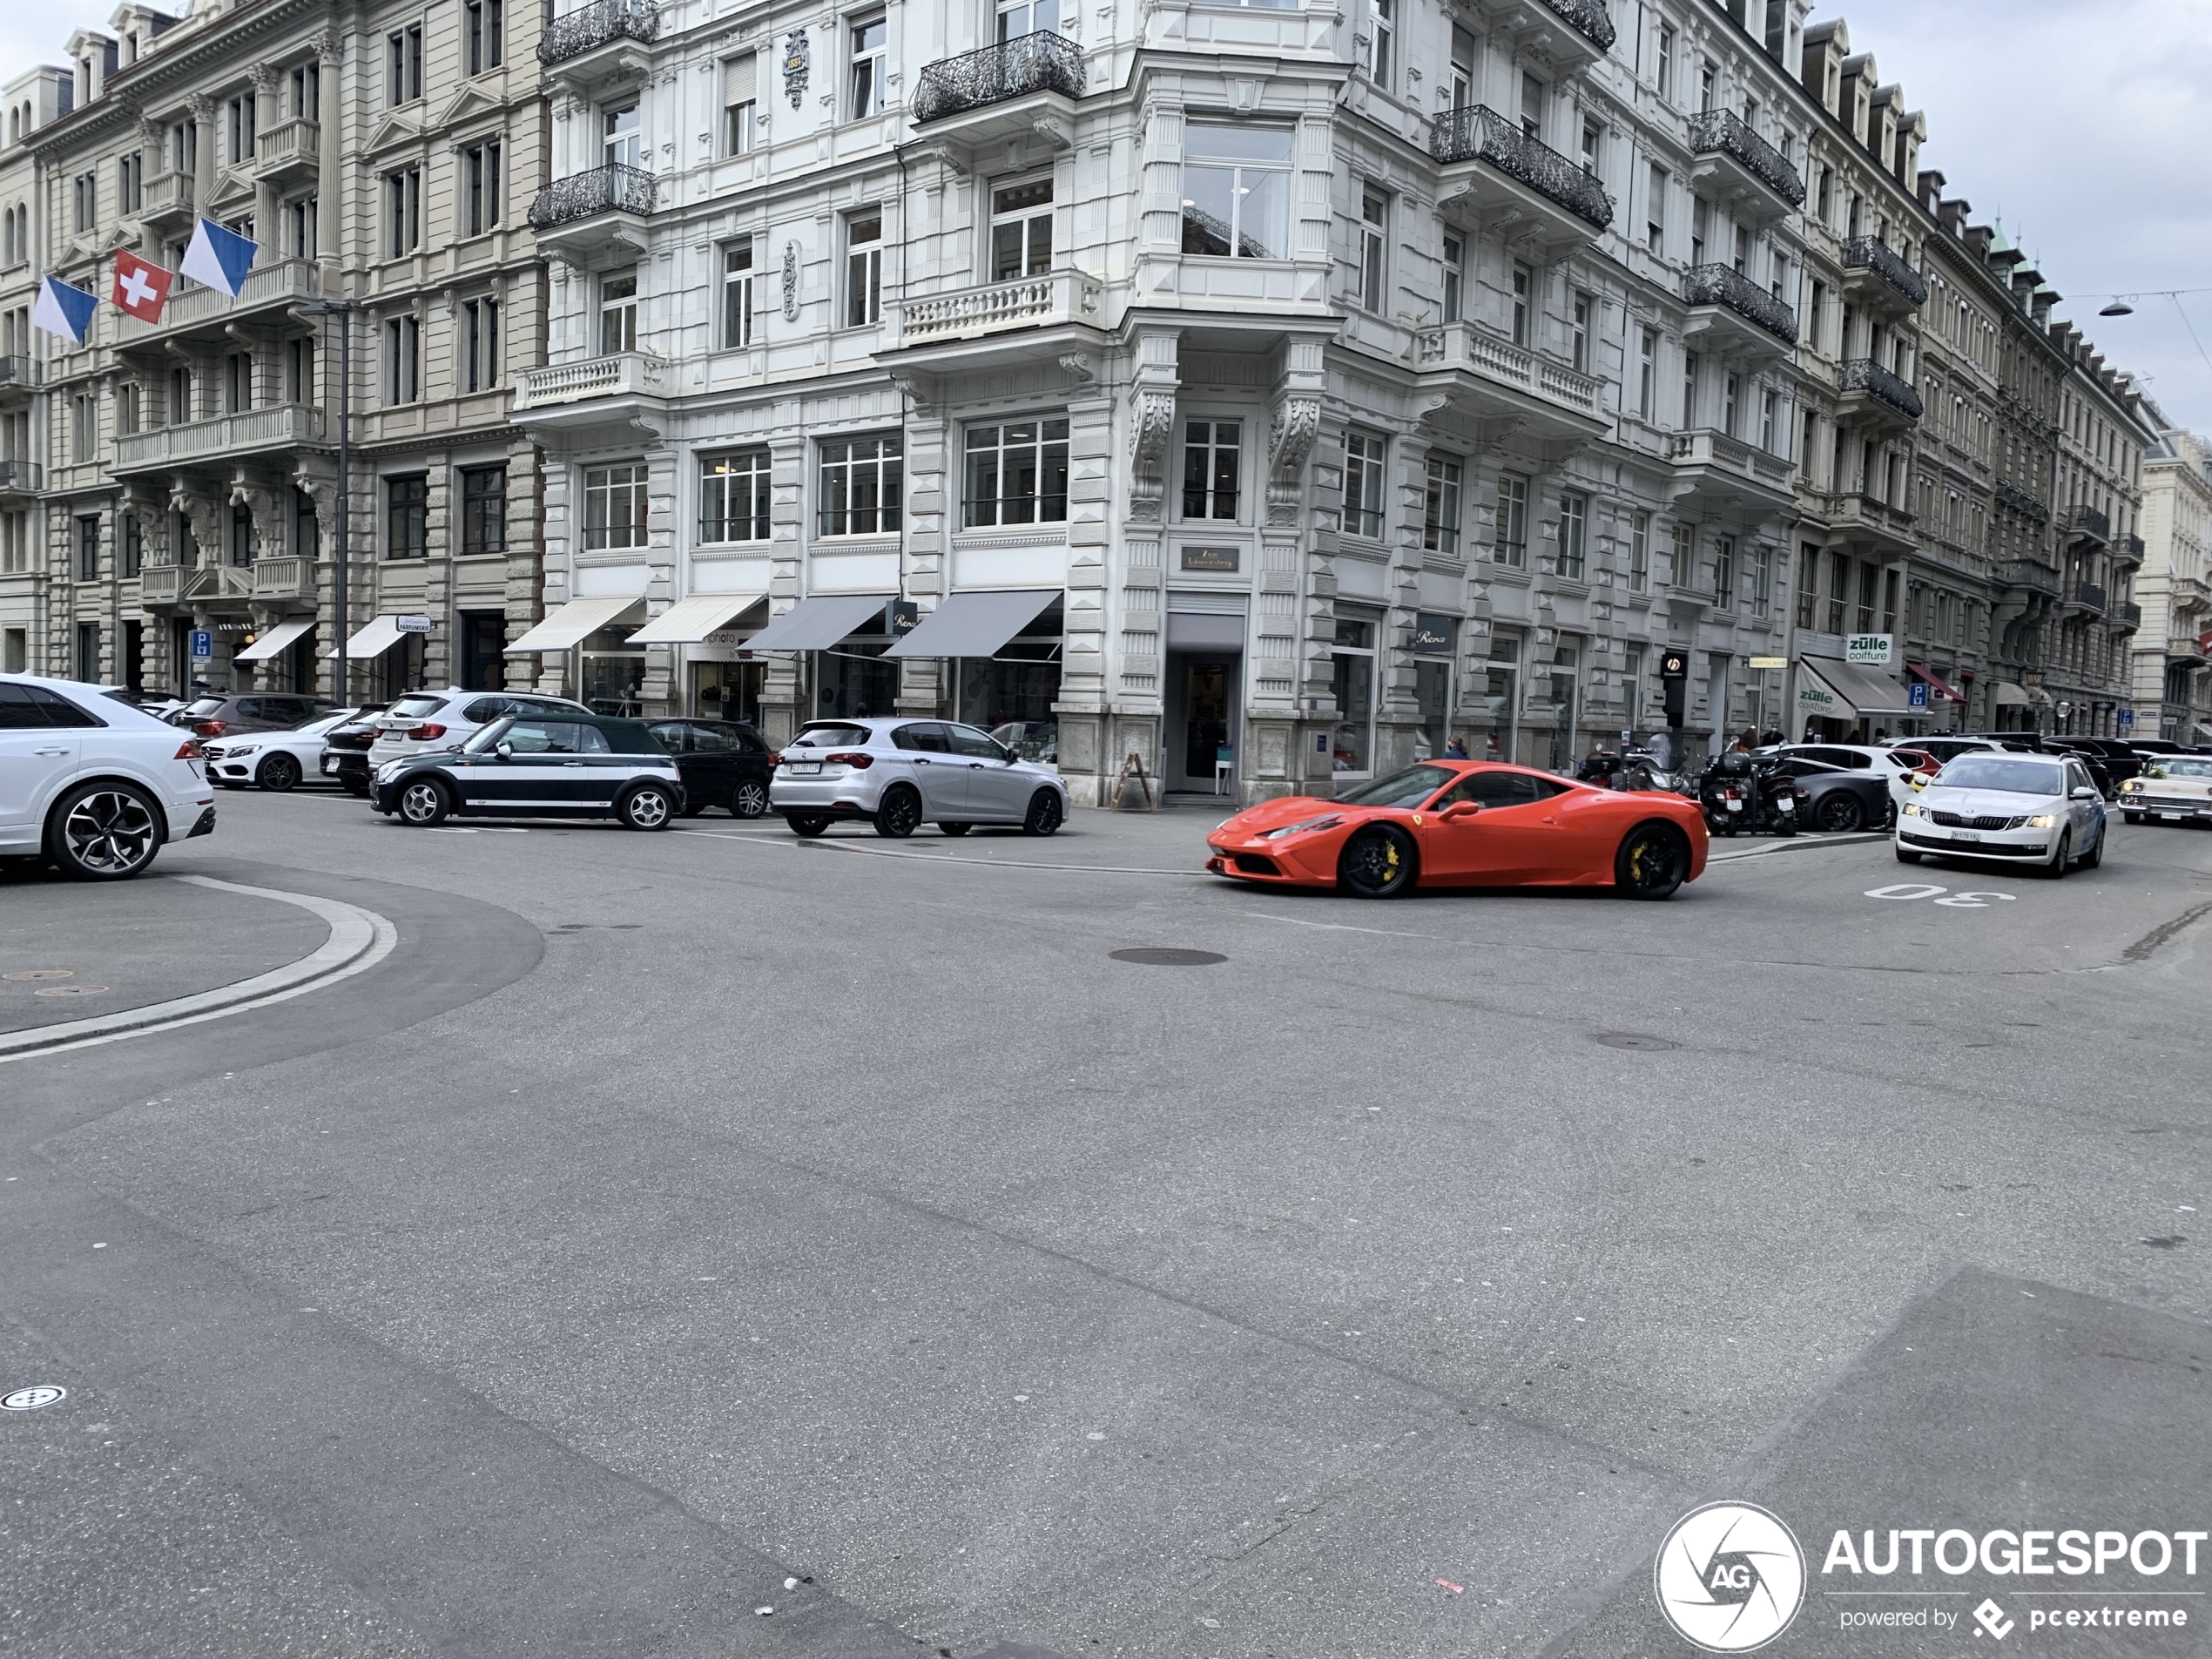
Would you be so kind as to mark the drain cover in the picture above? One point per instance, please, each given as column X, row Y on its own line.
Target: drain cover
column 43, row 973
column 1167, row 956
column 1632, row 1039
column 30, row 1400
column 70, row 990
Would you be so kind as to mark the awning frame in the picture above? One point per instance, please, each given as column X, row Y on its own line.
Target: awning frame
column 976, row 614
column 281, row 638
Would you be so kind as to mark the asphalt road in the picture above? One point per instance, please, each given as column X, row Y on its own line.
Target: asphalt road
column 670, row 1219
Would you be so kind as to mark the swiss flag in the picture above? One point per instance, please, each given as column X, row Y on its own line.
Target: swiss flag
column 140, row 289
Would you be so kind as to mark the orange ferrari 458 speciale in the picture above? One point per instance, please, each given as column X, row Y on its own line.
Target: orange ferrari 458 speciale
column 1466, row 824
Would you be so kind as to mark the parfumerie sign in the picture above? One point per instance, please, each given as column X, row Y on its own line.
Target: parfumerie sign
column 1876, row 650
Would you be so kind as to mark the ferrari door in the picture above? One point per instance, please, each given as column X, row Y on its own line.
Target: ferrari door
column 1513, row 838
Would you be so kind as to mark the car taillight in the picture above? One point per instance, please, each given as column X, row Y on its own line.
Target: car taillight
column 851, row 758
column 424, row 734
column 775, row 757
column 190, row 751
column 211, row 728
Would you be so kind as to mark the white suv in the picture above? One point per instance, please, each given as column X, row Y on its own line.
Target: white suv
column 422, row 721
column 92, row 783
column 895, row 773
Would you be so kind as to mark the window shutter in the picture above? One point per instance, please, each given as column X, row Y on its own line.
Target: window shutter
column 740, row 77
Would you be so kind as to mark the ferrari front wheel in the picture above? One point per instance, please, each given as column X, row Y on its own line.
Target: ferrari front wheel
column 1653, row 862
column 1377, row 863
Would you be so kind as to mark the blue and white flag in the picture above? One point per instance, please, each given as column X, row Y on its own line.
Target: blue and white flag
column 219, row 258
column 64, row 310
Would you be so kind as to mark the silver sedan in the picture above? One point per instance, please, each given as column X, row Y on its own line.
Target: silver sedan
column 899, row 774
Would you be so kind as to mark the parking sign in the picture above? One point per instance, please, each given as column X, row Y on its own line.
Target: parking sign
column 1916, row 695
column 203, row 645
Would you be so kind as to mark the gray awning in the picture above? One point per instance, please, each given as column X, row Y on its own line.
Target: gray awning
column 820, row 623
column 975, row 624
column 268, row 644
column 1865, row 689
column 2009, row 696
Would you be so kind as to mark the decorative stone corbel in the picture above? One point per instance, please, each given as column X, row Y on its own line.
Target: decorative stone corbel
column 1079, row 364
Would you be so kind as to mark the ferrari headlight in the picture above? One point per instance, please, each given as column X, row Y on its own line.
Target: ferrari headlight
column 1912, row 809
column 1328, row 822
column 2044, row 820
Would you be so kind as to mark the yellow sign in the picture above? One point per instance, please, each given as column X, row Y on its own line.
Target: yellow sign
column 1770, row 662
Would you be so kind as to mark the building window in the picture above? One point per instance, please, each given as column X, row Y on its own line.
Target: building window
column 180, row 395
column 1382, row 29
column 1769, row 410
column 129, row 178
column 617, row 312
column 1374, row 213
column 1664, row 78
column 737, row 293
column 1724, row 572
column 238, row 382
column 870, row 52
column 1511, row 531
column 87, row 201
column 862, row 482
column 1639, row 552
column 486, row 29
column 1455, row 277
column 243, row 118
column 88, row 652
column 130, row 546
column 1593, row 148
column 622, row 138
column 1573, row 534
column 484, row 185
column 300, row 227
column 1532, row 106
column 734, row 497
column 1680, row 557
column 299, row 370
column 1889, row 606
column 403, row 65
column 404, row 211
column 1839, row 590
column 83, row 425
column 15, row 559
column 241, row 551
column 1870, row 578
column 1363, row 485
column 1731, row 390
column 483, row 509
column 1631, row 687
column 88, row 549
column 1016, row 473
column 1579, row 338
column 1351, row 681
column 1808, row 584
column 1646, row 371
column 1235, row 190
column 1440, row 507
column 127, row 411
column 1654, row 212
column 614, row 506
column 480, row 342
column 1524, row 288
column 1689, row 389
column 741, row 105
column 864, row 268
column 403, row 359
column 1210, row 468
column 1020, row 230
column 1762, row 580
column 306, row 92
column 407, row 517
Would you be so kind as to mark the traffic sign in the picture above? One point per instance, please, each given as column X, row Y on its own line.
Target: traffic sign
column 203, row 644
column 1916, row 695
column 2126, row 717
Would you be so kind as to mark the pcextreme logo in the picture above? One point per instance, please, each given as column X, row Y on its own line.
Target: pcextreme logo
column 1729, row 1577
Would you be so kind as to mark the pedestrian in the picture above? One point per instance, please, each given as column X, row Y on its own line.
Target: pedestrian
column 1456, row 748
column 1746, row 740
column 1881, row 734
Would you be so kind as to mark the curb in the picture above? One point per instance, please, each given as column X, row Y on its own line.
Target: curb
column 1796, row 844
column 359, row 940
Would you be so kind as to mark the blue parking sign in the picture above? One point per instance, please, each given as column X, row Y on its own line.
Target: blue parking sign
column 1916, row 695
column 203, row 644
column 2126, row 717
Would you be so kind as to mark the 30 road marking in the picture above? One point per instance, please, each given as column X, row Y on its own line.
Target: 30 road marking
column 1909, row 891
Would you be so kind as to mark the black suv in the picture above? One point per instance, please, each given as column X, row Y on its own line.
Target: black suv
column 345, row 750
column 723, row 763
column 221, row 715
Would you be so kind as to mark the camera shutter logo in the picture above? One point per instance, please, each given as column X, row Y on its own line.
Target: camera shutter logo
column 1729, row 1577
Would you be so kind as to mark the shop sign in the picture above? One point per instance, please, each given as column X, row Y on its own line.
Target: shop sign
column 1875, row 650
column 1674, row 665
column 1816, row 702
column 412, row 624
column 900, row 618
column 1763, row 664
column 1432, row 635
column 1212, row 561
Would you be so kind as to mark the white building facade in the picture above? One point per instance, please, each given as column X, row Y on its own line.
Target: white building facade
column 1271, row 393
column 2175, row 588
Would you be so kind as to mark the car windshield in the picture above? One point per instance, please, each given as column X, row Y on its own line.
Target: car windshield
column 831, row 736
column 486, row 739
column 1407, row 788
column 2177, row 768
column 414, row 708
column 2012, row 776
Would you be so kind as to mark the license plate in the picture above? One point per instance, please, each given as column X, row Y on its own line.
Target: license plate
column 1736, row 806
column 804, row 768
column 1966, row 835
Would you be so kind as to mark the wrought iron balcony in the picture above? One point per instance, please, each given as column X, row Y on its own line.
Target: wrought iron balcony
column 2031, row 575
column 1725, row 131
column 2019, row 501
column 2127, row 614
column 594, row 25
column 1723, row 284
column 18, row 477
column 17, row 372
column 1038, row 63
column 1872, row 253
column 1477, row 131
column 1865, row 374
column 2086, row 522
column 610, row 189
column 1588, row 18
column 2088, row 596
column 2127, row 547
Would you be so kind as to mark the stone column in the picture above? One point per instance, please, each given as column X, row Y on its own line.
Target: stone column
column 330, row 173
column 782, row 691
column 264, row 80
column 925, row 575
column 1082, row 703
column 203, row 184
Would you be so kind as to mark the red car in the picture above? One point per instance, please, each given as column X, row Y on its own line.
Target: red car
column 1466, row 824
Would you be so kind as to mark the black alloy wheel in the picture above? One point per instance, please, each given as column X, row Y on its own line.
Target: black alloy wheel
column 1043, row 816
column 424, row 803
column 103, row 831
column 806, row 824
column 1653, row 862
column 1839, row 812
column 279, row 772
column 649, row 806
column 954, row 829
column 898, row 814
column 1377, row 863
column 749, row 798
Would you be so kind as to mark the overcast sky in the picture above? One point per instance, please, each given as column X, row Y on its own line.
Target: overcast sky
column 2086, row 125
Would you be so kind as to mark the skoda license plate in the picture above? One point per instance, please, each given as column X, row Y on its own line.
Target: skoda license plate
column 1966, row 835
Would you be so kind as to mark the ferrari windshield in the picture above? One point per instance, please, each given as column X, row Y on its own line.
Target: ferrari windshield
column 1407, row 788
column 2012, row 777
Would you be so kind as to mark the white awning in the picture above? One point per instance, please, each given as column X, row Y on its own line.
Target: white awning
column 373, row 641
column 572, row 623
column 975, row 624
column 2006, row 694
column 1862, row 689
column 267, row 645
column 689, row 621
column 818, row 623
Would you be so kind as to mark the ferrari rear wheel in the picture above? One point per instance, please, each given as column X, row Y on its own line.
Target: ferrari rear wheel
column 1376, row 863
column 1653, row 862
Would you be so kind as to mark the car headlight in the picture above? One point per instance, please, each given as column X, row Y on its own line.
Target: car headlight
column 1912, row 809
column 388, row 770
column 238, row 749
column 2044, row 820
column 2132, row 785
column 1329, row 821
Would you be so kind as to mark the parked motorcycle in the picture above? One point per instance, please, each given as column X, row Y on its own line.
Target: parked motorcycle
column 1747, row 795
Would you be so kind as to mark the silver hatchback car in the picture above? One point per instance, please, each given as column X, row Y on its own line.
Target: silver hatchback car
column 899, row 774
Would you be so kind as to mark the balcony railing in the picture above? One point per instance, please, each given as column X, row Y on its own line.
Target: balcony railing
column 1025, row 303
column 167, row 195
column 2086, row 522
column 1865, row 374
column 18, row 477
column 17, row 370
column 1703, row 447
column 1723, row 284
column 595, row 25
column 2087, row 595
column 1463, row 346
column 1475, row 131
column 287, row 576
column 280, row 284
column 2020, row 502
column 632, row 373
column 1872, row 253
column 1725, row 131
column 611, row 189
column 1037, row 62
column 288, row 145
column 2129, row 546
column 2031, row 574
column 2128, row 613
column 1588, row 18
column 279, row 427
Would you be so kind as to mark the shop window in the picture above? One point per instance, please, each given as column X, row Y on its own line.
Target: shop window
column 614, row 507
column 1502, row 696
column 1433, row 701
column 1010, row 693
column 1235, row 190
column 1564, row 686
column 862, row 482
column 1351, row 680
column 727, row 691
column 1210, row 468
column 611, row 671
column 1016, row 473
column 734, row 497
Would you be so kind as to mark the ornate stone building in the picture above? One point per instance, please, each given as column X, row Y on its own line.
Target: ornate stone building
column 2174, row 587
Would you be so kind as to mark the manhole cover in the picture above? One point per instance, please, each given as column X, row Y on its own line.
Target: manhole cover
column 70, row 990
column 1632, row 1039
column 43, row 973
column 1167, row 956
column 30, row 1399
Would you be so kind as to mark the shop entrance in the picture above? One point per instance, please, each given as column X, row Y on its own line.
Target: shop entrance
column 1201, row 717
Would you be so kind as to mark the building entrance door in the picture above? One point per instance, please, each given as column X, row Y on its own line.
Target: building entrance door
column 1202, row 718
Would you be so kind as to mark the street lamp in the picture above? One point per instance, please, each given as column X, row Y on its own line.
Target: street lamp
column 342, row 311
